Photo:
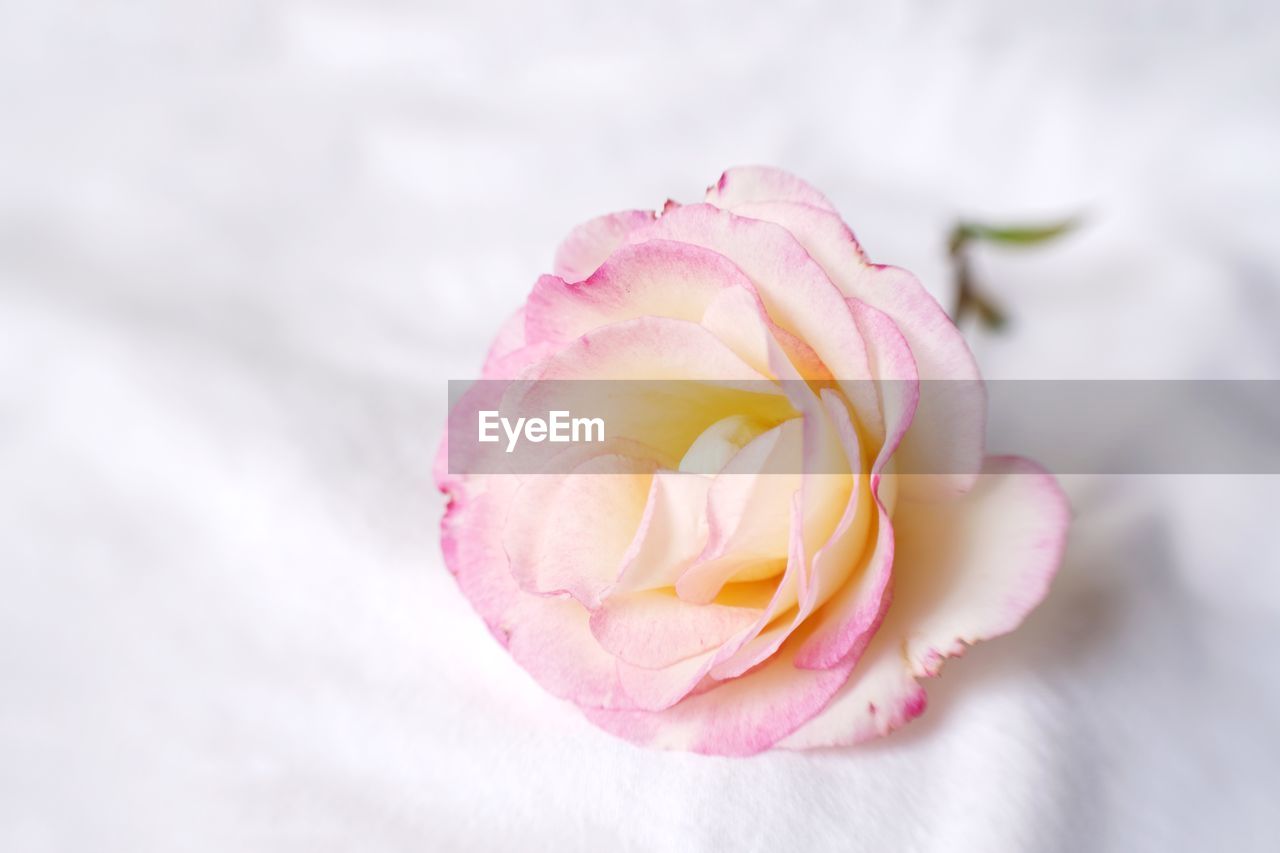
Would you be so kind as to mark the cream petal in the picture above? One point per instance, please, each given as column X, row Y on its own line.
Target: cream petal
column 747, row 512
column 966, row 570
column 671, row 534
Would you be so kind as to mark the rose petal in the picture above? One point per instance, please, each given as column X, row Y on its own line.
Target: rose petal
column 737, row 317
column 712, row 383
column 747, row 513
column 510, row 337
column 715, row 446
column 879, row 697
column 973, row 568
column 658, row 278
column 511, row 354
column 739, row 717
column 897, row 377
column 593, row 512
column 966, row 570
column 658, row 689
column 655, row 629
column 651, row 348
column 671, row 534
column 852, row 615
column 746, row 184
column 549, row 637
column 763, row 638
column 836, row 548
column 795, row 291
column 590, row 243
column 848, row 620
column 655, row 689
column 949, row 430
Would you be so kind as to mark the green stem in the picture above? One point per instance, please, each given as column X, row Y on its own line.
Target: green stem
column 969, row 297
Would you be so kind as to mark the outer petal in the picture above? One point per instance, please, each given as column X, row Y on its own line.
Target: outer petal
column 587, row 245
column 746, row 184
column 659, row 278
column 549, row 637
column 973, row 568
column 966, row 570
column 880, row 696
column 739, row 717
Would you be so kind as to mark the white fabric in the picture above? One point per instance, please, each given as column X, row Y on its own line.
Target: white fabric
column 243, row 245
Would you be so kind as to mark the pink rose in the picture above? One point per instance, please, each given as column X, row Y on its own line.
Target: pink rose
column 750, row 606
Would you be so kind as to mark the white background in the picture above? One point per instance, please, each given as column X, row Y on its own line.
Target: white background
column 244, row 244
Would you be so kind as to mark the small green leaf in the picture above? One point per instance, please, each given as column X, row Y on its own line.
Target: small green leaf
column 1015, row 235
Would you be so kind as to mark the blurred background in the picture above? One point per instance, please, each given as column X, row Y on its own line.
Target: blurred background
column 243, row 245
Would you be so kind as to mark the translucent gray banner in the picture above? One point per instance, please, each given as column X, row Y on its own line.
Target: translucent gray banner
column 1069, row 427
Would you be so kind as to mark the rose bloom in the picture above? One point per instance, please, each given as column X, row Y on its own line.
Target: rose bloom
column 776, row 581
